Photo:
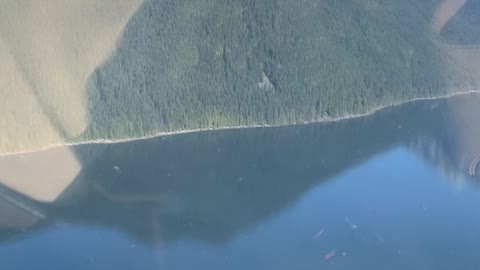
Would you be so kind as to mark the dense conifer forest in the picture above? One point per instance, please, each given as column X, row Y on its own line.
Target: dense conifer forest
column 199, row 64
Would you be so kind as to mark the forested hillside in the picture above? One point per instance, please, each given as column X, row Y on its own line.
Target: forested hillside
column 196, row 64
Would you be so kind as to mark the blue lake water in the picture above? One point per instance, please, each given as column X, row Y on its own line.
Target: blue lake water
column 388, row 191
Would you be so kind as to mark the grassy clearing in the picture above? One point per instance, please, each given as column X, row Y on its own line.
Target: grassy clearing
column 50, row 49
column 463, row 60
column 23, row 124
column 445, row 12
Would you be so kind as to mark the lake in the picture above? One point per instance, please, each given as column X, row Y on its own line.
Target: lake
column 394, row 190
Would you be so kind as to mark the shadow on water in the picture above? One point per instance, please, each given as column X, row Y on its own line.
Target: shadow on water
column 211, row 186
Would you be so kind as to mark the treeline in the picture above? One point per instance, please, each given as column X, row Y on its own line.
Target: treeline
column 195, row 64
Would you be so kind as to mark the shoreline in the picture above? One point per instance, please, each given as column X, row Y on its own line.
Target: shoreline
column 187, row 131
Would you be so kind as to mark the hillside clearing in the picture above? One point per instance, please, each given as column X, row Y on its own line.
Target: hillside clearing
column 49, row 49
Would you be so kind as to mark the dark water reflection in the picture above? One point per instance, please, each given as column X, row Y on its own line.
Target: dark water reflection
column 389, row 191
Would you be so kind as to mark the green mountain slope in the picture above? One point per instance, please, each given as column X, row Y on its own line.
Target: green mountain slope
column 197, row 64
